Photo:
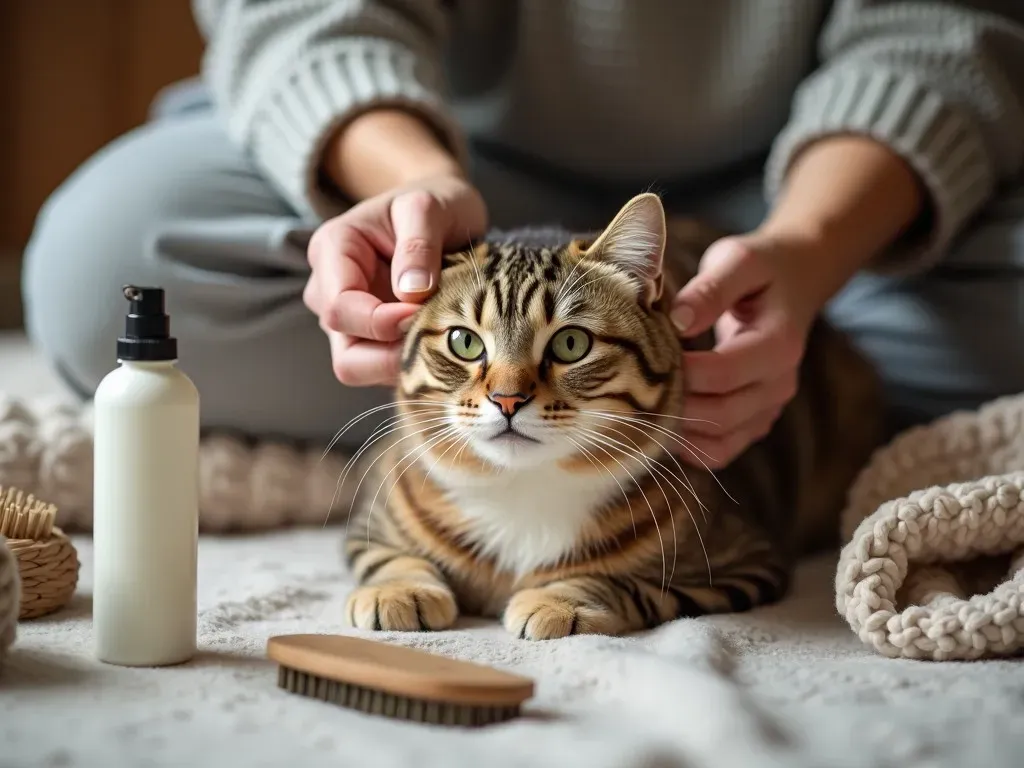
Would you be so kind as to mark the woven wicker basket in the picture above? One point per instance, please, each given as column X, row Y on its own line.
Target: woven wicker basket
column 47, row 560
column 49, row 573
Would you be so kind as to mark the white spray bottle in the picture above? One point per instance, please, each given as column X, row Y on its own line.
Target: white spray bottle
column 146, row 496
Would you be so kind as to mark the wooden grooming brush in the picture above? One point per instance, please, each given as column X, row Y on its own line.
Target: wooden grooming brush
column 394, row 681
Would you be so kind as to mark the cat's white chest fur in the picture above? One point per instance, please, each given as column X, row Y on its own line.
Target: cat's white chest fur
column 528, row 518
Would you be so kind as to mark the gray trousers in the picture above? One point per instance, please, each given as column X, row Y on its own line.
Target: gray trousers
column 174, row 204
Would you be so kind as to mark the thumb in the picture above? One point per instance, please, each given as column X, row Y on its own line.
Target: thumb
column 729, row 272
column 417, row 220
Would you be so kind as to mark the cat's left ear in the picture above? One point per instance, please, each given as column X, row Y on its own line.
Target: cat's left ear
column 634, row 242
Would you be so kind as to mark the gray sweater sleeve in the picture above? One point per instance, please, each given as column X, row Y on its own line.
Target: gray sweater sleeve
column 940, row 83
column 286, row 74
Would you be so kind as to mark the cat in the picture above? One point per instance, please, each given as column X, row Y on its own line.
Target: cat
column 531, row 472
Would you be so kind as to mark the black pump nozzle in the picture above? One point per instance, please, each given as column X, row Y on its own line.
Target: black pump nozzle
column 147, row 327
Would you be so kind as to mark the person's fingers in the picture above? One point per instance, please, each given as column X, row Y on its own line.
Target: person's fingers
column 311, row 295
column 347, row 275
column 730, row 272
column 344, row 265
column 719, row 415
column 360, row 314
column 342, row 259
column 380, row 285
column 360, row 363
column 418, row 221
column 759, row 354
column 719, row 452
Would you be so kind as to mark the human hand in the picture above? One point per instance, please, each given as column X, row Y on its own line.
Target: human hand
column 374, row 264
column 757, row 294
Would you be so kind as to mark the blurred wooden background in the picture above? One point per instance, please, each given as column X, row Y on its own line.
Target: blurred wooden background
column 75, row 74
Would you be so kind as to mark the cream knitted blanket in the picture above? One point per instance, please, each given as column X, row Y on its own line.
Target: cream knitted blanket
column 934, row 564
column 46, row 450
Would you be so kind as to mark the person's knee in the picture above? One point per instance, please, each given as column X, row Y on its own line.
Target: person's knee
column 94, row 234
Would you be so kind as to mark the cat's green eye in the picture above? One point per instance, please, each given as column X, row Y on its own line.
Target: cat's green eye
column 465, row 344
column 570, row 345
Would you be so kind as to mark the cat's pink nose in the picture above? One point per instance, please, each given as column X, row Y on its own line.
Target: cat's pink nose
column 509, row 404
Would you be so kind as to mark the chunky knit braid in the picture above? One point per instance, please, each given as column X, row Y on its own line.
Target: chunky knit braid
column 46, row 449
column 932, row 510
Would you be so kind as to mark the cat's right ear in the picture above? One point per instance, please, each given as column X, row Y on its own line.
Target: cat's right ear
column 634, row 242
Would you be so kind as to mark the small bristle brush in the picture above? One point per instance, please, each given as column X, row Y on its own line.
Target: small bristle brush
column 395, row 681
column 23, row 516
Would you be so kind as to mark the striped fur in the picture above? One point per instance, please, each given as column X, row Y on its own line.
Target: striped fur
column 547, row 492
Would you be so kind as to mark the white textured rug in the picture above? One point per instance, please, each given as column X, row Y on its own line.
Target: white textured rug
column 785, row 686
column 788, row 685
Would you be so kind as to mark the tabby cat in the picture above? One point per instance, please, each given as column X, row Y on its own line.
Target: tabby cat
column 531, row 469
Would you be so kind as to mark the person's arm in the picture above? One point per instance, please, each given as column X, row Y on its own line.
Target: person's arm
column 939, row 85
column 385, row 149
column 293, row 80
column 845, row 200
column 894, row 143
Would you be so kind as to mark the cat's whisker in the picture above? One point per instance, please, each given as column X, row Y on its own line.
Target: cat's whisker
column 449, row 432
column 369, row 412
column 658, row 475
column 590, row 457
column 377, row 458
column 402, row 418
column 653, row 413
column 597, row 279
column 426, row 475
column 597, row 437
column 389, row 421
column 390, row 424
column 431, row 424
column 641, row 425
column 567, row 286
column 396, row 422
column 659, row 469
column 565, row 282
column 602, row 468
column 693, row 450
column 679, row 439
column 458, row 453
column 640, row 454
column 664, row 564
column 409, row 420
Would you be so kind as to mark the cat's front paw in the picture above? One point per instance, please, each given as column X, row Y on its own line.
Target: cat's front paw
column 546, row 614
column 402, row 606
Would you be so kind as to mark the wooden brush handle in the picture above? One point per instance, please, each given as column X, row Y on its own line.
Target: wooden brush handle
column 398, row 670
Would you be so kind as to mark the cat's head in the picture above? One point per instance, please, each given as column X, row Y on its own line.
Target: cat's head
column 530, row 354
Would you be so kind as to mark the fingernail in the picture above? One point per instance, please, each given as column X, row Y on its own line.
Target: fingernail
column 406, row 324
column 683, row 317
column 414, row 281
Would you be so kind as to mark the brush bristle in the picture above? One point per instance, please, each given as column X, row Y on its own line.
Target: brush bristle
column 24, row 516
column 374, row 702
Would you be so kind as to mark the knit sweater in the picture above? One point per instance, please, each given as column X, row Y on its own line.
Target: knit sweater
column 633, row 91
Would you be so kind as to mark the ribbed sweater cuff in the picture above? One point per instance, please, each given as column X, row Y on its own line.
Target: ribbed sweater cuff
column 323, row 91
column 937, row 140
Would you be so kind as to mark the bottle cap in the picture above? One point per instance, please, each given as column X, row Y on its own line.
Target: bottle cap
column 147, row 333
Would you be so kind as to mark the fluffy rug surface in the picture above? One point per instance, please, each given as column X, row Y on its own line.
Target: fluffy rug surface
column 788, row 685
